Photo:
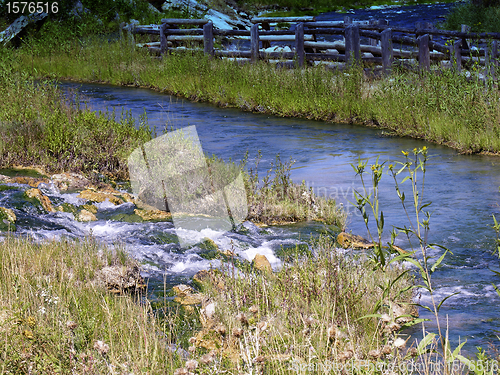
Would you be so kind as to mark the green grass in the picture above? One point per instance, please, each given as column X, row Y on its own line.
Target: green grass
column 406, row 104
column 53, row 313
column 480, row 19
column 308, row 313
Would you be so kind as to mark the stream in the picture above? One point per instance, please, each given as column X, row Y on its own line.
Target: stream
column 464, row 191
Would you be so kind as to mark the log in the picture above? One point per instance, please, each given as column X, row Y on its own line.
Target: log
column 182, row 21
column 299, row 44
column 185, row 38
column 146, row 30
column 423, row 52
column 282, row 19
column 208, row 38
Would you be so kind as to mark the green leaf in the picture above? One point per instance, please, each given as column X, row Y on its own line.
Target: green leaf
column 426, row 341
column 406, row 178
column 370, row 316
column 455, row 352
column 438, row 262
column 445, row 298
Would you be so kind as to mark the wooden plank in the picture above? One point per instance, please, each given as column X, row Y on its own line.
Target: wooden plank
column 424, row 60
column 282, row 19
column 182, row 21
column 185, row 38
column 172, row 31
column 387, row 53
column 208, row 38
column 144, row 30
column 284, row 38
column 299, row 44
column 352, row 45
column 456, row 56
column 328, row 24
column 254, row 42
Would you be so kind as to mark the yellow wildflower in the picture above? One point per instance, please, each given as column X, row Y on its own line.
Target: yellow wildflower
column 31, row 321
column 28, row 334
column 405, row 153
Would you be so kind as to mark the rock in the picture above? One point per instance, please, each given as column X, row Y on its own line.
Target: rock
column 100, row 196
column 44, row 200
column 7, row 219
column 262, row 264
column 69, row 181
column 19, row 24
column 190, row 5
column 280, row 49
column 208, row 244
column 205, row 278
column 153, row 215
column 120, row 278
column 222, row 21
column 186, row 296
column 8, row 214
column 85, row 215
column 182, row 290
column 31, row 181
column 347, row 240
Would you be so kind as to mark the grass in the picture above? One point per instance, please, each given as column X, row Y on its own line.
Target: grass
column 55, row 317
column 305, row 315
column 479, row 18
column 406, row 104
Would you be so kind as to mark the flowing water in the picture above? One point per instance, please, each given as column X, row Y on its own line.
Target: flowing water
column 464, row 191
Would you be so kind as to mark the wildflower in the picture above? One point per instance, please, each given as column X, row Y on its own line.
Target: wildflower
column 181, row 371
column 413, row 352
column 391, row 167
column 242, row 318
column 192, row 340
column 31, row 321
column 237, row 332
column 101, row 347
column 386, row 349
column 424, row 148
column 71, row 325
column 405, row 153
column 207, row 358
column 259, row 359
column 399, row 343
column 375, row 354
column 220, row 329
column 192, row 349
column 262, row 326
column 253, row 309
column 310, row 321
column 191, row 365
column 345, row 356
column 42, row 310
column 28, row 334
column 415, row 151
column 385, row 318
column 335, row 333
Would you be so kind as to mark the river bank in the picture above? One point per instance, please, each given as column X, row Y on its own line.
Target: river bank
column 405, row 104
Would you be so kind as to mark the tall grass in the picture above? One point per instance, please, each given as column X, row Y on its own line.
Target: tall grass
column 444, row 108
column 55, row 317
column 479, row 18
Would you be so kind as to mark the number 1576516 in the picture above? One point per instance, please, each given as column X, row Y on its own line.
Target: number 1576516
column 24, row 7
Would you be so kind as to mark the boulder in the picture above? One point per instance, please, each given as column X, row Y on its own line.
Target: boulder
column 120, row 278
column 100, row 196
column 19, row 24
column 222, row 21
column 31, row 181
column 44, row 200
column 8, row 214
column 153, row 215
column 85, row 215
column 261, row 263
column 69, row 181
column 185, row 295
column 192, row 5
column 347, row 240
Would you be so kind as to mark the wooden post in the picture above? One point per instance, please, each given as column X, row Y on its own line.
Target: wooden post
column 491, row 61
column 373, row 42
column 352, row 46
column 163, row 39
column 456, row 56
column 254, row 43
column 387, row 53
column 208, row 38
column 347, row 22
column 267, row 27
column 424, row 57
column 465, row 42
column 299, row 44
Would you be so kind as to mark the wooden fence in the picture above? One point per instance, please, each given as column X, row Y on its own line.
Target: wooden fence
column 420, row 43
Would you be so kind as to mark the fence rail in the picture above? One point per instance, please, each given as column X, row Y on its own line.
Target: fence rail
column 417, row 43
